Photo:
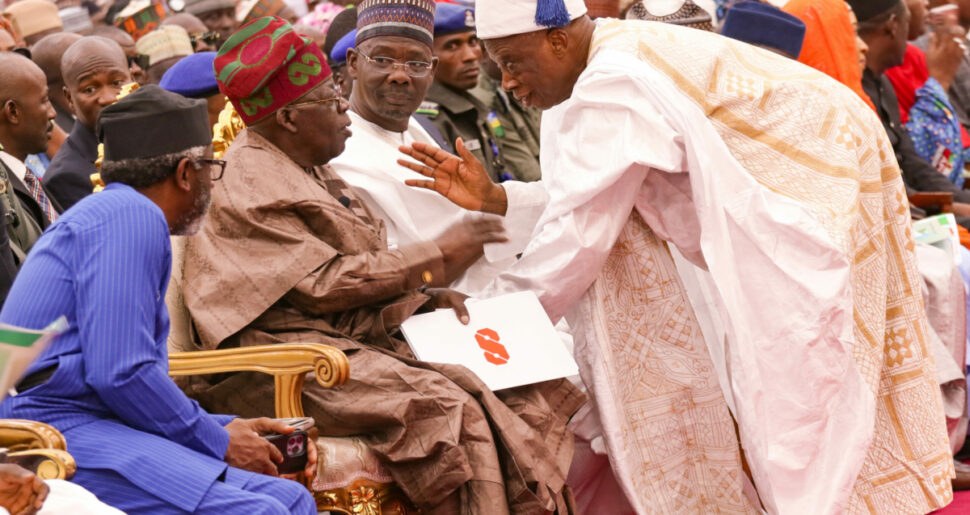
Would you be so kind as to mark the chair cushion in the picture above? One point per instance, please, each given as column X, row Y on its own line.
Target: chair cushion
column 343, row 460
column 180, row 332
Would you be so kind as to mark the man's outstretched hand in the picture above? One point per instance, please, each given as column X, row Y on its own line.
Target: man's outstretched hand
column 21, row 492
column 462, row 180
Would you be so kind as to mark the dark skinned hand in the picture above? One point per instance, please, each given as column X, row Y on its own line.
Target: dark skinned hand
column 443, row 298
column 248, row 451
column 462, row 180
column 21, row 492
column 463, row 243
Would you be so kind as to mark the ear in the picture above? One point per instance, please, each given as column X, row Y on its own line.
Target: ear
column 559, row 41
column 434, row 65
column 286, row 119
column 70, row 101
column 352, row 60
column 182, row 173
column 11, row 112
column 892, row 24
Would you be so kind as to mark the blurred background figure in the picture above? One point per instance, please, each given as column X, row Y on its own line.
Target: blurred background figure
column 194, row 77
column 34, row 19
column 164, row 47
column 217, row 15
column 765, row 26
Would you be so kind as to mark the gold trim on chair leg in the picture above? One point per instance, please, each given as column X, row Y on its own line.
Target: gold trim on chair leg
column 365, row 497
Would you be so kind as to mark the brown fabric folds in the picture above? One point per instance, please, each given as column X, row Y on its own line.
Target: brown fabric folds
column 280, row 259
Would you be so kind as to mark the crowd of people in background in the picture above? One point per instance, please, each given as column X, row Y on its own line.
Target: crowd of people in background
column 712, row 199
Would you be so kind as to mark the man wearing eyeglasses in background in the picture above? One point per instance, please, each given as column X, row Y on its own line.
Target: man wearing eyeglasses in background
column 217, row 15
column 290, row 253
column 393, row 75
column 203, row 39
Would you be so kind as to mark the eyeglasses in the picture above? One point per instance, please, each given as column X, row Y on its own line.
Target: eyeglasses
column 387, row 65
column 216, row 167
column 142, row 60
column 335, row 98
column 210, row 38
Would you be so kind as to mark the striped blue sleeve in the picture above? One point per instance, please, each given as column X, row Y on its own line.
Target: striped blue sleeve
column 120, row 287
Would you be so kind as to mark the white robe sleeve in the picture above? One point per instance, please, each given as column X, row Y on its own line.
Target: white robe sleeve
column 594, row 173
column 526, row 202
column 624, row 141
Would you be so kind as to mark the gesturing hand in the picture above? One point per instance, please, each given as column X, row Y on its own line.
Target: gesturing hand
column 248, row 451
column 21, row 492
column 461, row 180
column 945, row 53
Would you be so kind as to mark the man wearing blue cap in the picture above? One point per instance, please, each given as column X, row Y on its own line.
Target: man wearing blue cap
column 449, row 104
column 194, row 77
column 765, row 26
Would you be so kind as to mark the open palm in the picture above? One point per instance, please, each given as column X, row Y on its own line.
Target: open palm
column 462, row 180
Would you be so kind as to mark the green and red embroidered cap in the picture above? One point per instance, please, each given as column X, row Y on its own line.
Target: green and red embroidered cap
column 265, row 65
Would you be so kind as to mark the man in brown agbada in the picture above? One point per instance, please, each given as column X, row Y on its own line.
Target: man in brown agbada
column 290, row 254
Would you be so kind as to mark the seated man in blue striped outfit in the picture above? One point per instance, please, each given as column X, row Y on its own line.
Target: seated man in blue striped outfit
column 140, row 444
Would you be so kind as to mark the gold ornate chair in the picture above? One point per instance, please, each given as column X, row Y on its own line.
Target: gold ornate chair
column 350, row 478
column 37, row 447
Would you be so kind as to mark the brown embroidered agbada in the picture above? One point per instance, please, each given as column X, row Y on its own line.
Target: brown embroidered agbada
column 288, row 254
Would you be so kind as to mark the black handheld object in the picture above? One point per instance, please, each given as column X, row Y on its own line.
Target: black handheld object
column 294, row 449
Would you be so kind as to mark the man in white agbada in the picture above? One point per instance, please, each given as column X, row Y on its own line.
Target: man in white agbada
column 381, row 108
column 717, row 211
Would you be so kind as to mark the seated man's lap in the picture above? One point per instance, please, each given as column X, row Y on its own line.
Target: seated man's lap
column 240, row 492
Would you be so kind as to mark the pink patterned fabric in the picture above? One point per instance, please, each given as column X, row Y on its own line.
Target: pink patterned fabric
column 322, row 15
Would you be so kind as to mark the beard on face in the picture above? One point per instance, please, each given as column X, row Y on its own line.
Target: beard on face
column 189, row 222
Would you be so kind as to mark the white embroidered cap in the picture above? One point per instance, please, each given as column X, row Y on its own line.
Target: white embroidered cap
column 501, row 18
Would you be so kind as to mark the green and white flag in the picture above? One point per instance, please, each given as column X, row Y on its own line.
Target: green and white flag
column 19, row 348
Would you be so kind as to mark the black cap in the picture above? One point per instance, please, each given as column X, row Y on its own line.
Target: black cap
column 867, row 9
column 152, row 122
column 344, row 22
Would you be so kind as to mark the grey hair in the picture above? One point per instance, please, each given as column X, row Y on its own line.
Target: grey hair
column 142, row 172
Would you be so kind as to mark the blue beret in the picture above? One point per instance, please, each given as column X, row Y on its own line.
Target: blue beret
column 339, row 52
column 450, row 18
column 763, row 24
column 193, row 76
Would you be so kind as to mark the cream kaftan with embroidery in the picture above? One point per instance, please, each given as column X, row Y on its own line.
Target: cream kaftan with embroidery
column 780, row 186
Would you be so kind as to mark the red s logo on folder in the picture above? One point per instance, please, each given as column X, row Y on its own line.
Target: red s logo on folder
column 495, row 352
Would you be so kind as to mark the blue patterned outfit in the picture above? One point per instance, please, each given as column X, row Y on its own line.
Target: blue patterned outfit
column 140, row 444
column 935, row 131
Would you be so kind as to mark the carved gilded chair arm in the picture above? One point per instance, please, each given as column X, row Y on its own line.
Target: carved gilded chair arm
column 287, row 362
column 18, row 435
column 45, row 463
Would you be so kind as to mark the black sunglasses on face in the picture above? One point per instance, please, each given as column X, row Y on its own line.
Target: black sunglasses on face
column 210, row 38
column 141, row 59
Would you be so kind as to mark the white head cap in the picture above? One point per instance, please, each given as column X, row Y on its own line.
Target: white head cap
column 501, row 18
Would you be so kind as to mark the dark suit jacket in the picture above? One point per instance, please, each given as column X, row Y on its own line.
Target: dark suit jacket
column 30, row 207
column 68, row 178
column 918, row 174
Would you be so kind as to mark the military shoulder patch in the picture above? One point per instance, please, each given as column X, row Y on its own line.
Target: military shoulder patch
column 429, row 109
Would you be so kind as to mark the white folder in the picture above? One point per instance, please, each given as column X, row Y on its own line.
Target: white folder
column 509, row 341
